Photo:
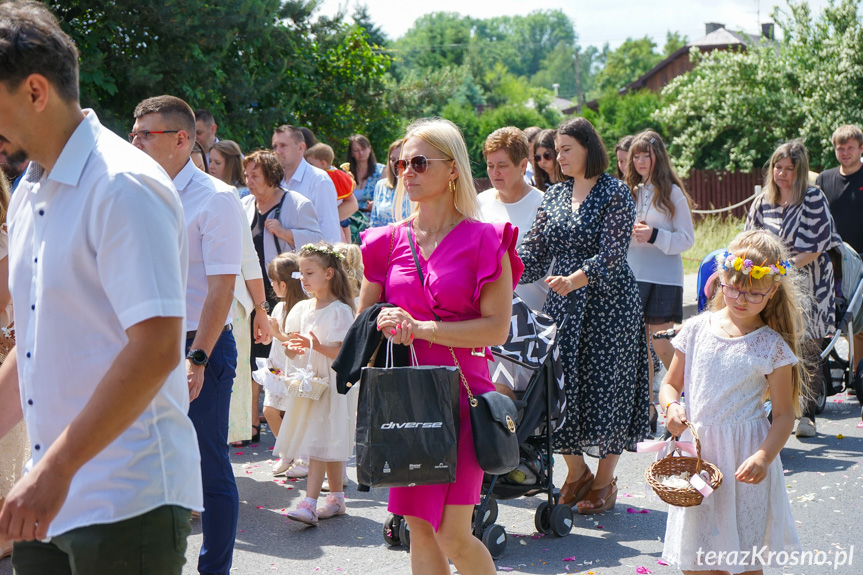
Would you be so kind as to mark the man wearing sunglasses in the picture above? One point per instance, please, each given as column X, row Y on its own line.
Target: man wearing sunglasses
column 97, row 268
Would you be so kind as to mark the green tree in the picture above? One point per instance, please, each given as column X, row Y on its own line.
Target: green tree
column 674, row 41
column 253, row 63
column 619, row 116
column 627, row 63
column 735, row 107
column 363, row 19
column 434, row 41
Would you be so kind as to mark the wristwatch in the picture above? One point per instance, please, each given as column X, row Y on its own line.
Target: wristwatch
column 198, row 357
column 264, row 306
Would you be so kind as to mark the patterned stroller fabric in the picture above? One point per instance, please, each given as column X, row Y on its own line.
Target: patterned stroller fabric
column 529, row 363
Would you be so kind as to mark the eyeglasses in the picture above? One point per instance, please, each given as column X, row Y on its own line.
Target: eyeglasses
column 145, row 134
column 750, row 296
column 419, row 163
column 544, row 156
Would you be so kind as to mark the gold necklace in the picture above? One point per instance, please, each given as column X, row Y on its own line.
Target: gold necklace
column 427, row 234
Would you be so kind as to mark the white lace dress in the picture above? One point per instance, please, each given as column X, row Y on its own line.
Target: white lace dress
column 320, row 429
column 724, row 385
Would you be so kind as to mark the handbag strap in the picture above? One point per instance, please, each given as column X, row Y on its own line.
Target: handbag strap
column 276, row 215
column 471, row 398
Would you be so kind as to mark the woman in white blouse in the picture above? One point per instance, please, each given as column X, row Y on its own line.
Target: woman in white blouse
column 663, row 230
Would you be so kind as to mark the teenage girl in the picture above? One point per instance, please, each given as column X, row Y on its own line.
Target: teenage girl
column 284, row 273
column 321, row 429
column 727, row 360
column 662, row 232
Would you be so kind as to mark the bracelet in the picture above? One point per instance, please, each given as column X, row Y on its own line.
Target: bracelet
column 669, row 404
column 434, row 333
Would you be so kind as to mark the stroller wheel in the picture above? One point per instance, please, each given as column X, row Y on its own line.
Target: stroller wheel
column 405, row 534
column 494, row 539
column 391, row 529
column 857, row 381
column 490, row 515
column 543, row 518
column 561, row 520
column 821, row 397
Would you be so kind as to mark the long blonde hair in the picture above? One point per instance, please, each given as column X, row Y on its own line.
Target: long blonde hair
column 446, row 138
column 784, row 313
column 4, row 197
column 662, row 174
column 282, row 269
column 796, row 152
column 353, row 263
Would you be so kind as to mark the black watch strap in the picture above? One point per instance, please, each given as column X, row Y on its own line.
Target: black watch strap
column 198, row 357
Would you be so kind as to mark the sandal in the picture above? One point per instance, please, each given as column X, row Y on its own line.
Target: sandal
column 256, row 436
column 654, row 417
column 572, row 492
column 602, row 499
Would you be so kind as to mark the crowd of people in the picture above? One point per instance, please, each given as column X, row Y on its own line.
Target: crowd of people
column 264, row 258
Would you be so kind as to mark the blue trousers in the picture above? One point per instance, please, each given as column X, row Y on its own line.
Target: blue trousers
column 209, row 414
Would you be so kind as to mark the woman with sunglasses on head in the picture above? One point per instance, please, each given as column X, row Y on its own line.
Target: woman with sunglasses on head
column 662, row 232
column 464, row 304
column 584, row 225
column 800, row 215
column 365, row 169
column 383, row 206
column 546, row 170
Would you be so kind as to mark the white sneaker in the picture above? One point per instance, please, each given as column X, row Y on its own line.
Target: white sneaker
column 806, row 428
column 304, row 513
column 297, row 471
column 281, row 466
column 332, row 506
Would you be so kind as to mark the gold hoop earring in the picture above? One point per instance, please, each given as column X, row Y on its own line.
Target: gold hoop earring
column 452, row 186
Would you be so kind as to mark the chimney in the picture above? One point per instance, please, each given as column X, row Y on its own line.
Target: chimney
column 712, row 27
column 767, row 31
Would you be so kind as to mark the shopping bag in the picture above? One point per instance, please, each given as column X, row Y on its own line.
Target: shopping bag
column 407, row 425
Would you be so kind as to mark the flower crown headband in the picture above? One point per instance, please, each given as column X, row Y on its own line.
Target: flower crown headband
column 323, row 250
column 729, row 262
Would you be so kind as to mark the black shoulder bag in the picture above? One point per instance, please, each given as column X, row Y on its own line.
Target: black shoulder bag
column 492, row 414
column 276, row 216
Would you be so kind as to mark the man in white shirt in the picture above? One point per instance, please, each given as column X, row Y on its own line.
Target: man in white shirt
column 307, row 180
column 165, row 130
column 97, row 268
column 205, row 130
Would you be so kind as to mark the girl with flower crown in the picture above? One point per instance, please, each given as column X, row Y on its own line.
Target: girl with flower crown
column 726, row 361
column 321, row 429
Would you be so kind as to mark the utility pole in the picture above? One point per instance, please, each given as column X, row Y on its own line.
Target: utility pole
column 578, row 98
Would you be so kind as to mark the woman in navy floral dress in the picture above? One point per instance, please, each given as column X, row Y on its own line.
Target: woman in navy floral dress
column 585, row 225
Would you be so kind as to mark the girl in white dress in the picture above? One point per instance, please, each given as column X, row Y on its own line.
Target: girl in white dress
column 284, row 272
column 321, row 429
column 726, row 361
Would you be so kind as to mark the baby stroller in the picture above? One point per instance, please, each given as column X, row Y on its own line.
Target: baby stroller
column 839, row 374
column 528, row 363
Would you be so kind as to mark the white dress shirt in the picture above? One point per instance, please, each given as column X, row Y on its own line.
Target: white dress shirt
column 297, row 215
column 215, row 235
column 250, row 268
column 96, row 246
column 315, row 185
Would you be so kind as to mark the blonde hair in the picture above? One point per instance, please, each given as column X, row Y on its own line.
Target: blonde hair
column 784, row 312
column 340, row 284
column 796, row 152
column 282, row 269
column 662, row 174
column 353, row 263
column 845, row 133
column 322, row 153
column 446, row 138
column 4, row 197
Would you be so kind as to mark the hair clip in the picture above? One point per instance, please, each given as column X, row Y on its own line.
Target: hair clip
column 297, row 275
column 652, row 140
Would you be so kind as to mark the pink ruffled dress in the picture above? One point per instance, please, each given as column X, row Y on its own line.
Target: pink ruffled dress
column 466, row 259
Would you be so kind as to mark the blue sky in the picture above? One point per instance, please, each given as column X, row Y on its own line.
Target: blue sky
column 595, row 22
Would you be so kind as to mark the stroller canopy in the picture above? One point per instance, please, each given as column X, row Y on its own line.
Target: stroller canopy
column 532, row 336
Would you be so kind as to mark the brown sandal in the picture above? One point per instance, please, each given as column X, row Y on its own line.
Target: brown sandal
column 602, row 499
column 572, row 492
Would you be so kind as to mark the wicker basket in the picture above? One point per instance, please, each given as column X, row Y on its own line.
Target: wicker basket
column 294, row 386
column 671, row 465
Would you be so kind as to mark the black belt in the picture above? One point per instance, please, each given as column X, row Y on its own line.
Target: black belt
column 193, row 333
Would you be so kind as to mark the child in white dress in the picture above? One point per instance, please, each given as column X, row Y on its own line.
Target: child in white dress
column 320, row 429
column 726, row 361
column 284, row 272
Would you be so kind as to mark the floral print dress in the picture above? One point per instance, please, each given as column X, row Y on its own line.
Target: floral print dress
column 602, row 339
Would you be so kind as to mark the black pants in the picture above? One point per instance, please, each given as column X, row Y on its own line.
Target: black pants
column 812, row 360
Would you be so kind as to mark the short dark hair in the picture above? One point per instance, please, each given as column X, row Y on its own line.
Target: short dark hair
column 309, row 137
column 205, row 116
column 295, row 133
column 271, row 169
column 531, row 133
column 585, row 134
column 171, row 108
column 32, row 42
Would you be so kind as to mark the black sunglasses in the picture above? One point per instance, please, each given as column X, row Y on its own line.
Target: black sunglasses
column 545, row 156
column 419, row 163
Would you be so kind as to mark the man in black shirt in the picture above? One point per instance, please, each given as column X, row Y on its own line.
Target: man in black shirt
column 843, row 187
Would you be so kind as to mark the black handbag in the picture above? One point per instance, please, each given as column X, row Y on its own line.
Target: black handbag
column 492, row 414
column 407, row 425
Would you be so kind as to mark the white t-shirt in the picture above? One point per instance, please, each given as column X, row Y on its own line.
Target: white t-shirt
column 520, row 214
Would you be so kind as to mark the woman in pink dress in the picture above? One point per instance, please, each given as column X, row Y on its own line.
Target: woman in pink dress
column 470, row 271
